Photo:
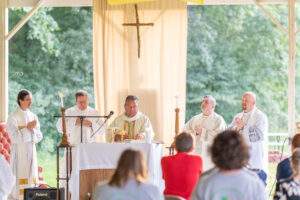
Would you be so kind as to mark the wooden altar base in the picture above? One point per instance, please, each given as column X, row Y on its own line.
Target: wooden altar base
column 90, row 178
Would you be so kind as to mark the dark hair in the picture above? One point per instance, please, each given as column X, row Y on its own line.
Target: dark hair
column 184, row 142
column 80, row 93
column 131, row 98
column 296, row 141
column 229, row 150
column 21, row 96
column 296, row 162
column 131, row 162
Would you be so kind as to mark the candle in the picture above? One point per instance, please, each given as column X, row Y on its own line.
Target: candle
column 61, row 96
column 177, row 101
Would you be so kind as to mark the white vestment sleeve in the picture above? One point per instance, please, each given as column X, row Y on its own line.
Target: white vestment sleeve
column 13, row 130
column 258, row 131
column 37, row 134
column 188, row 126
column 147, row 130
column 210, row 134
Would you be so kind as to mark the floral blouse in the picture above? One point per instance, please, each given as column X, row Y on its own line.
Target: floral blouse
column 287, row 189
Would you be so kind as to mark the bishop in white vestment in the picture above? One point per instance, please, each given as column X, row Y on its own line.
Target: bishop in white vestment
column 135, row 124
column 91, row 127
column 253, row 124
column 205, row 127
column 24, row 130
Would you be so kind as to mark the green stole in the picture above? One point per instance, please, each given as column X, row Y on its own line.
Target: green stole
column 129, row 128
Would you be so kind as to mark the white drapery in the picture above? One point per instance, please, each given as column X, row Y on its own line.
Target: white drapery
column 160, row 73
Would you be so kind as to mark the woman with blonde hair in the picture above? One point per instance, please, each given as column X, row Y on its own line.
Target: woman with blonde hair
column 289, row 189
column 129, row 180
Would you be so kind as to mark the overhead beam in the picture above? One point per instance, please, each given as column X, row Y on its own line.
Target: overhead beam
column 49, row 3
column 23, row 21
column 272, row 18
column 3, row 61
column 83, row 3
column 243, row 2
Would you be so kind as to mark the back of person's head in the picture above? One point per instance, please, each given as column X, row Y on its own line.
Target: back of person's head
column 296, row 141
column 130, row 165
column 296, row 161
column 229, row 150
column 184, row 142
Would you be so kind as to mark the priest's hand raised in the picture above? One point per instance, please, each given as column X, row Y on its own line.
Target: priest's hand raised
column 239, row 124
column 31, row 125
column 198, row 130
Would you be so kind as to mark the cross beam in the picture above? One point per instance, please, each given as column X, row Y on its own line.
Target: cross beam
column 137, row 24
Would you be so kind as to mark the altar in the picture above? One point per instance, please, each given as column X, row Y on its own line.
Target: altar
column 96, row 162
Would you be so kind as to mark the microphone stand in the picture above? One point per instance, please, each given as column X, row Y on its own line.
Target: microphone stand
column 106, row 118
column 81, row 117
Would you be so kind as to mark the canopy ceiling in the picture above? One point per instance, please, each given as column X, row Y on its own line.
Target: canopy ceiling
column 77, row 3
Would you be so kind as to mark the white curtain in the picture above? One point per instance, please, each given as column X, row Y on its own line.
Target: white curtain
column 160, row 73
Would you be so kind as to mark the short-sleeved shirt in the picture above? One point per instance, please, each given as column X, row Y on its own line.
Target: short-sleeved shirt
column 236, row 185
column 132, row 190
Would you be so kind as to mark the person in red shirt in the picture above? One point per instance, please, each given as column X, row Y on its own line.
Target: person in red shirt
column 181, row 171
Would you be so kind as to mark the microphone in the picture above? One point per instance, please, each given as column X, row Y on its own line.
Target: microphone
column 106, row 118
column 109, row 115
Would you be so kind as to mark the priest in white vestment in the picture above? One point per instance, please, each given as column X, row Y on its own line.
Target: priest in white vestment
column 132, row 122
column 91, row 127
column 205, row 127
column 24, row 130
column 253, row 124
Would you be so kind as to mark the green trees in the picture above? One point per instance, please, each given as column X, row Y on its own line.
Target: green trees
column 51, row 53
column 233, row 49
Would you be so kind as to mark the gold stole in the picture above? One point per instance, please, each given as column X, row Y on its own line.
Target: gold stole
column 129, row 128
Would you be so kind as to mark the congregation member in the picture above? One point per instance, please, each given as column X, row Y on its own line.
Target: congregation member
column 284, row 168
column 205, row 126
column 252, row 123
column 91, row 126
column 289, row 189
column 230, row 180
column 134, row 124
column 129, row 182
column 181, row 171
column 24, row 130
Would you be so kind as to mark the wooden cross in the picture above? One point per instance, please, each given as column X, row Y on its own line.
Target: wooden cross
column 138, row 24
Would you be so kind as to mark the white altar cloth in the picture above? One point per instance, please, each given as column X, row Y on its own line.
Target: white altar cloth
column 105, row 156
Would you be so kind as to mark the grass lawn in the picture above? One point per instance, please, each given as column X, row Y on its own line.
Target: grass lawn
column 48, row 162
